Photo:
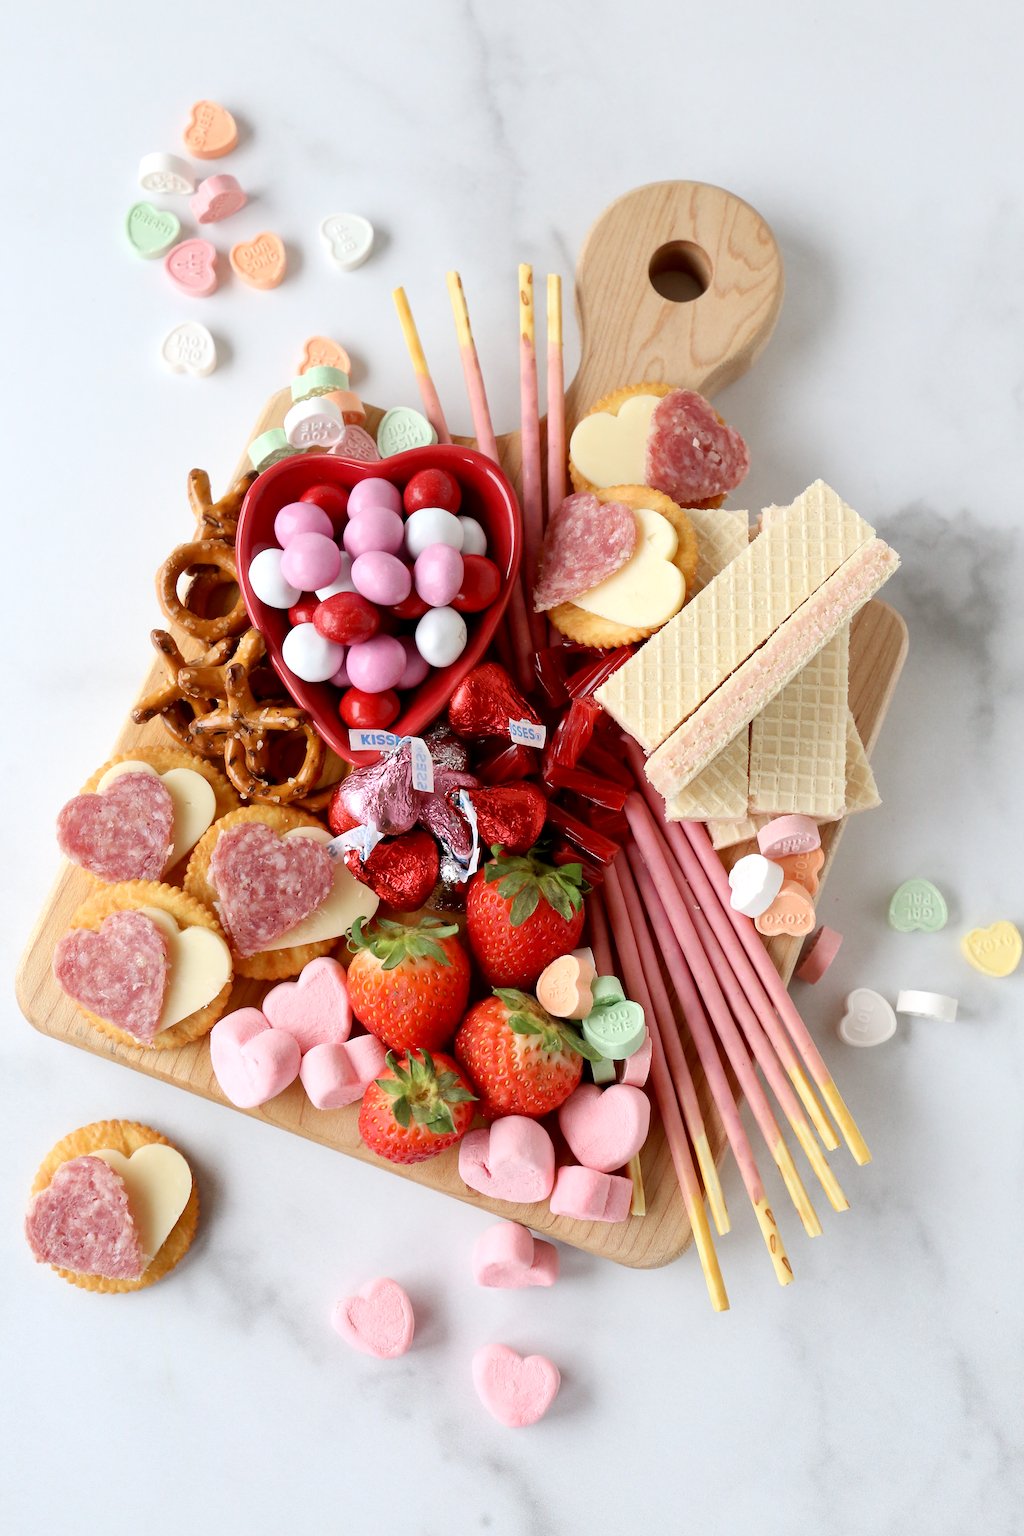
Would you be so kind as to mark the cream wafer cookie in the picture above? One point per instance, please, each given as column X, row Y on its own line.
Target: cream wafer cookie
column 735, row 703
column 723, row 533
column 688, row 660
column 798, row 741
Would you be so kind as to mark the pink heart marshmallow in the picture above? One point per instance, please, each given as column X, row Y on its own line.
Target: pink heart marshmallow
column 336, row 1075
column 508, row 1257
column 252, row 1062
column 378, row 1320
column 513, row 1159
column 586, row 1195
column 605, row 1127
column 515, row 1390
column 315, row 1009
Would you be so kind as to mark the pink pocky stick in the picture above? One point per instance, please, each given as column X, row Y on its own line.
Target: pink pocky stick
column 529, row 440
column 555, row 396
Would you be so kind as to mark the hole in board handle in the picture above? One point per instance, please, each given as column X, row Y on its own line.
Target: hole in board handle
column 680, row 271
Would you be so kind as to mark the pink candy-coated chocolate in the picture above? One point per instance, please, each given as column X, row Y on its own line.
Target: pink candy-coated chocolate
column 252, row 1062
column 341, row 678
column 788, row 834
column 336, row 1075
column 374, row 493
column 218, row 197
column 636, row 1069
column 376, row 665
column 381, row 577
column 373, row 528
column 311, row 560
column 508, row 1257
column 301, row 517
column 605, row 1127
column 587, row 1195
column 378, row 1320
column 822, row 948
column 315, row 1009
column 513, row 1159
column 192, row 268
column 516, row 1391
column 437, row 574
column 416, row 668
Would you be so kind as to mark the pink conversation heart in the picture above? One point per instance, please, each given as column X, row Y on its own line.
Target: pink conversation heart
column 251, row 1061
column 514, row 1390
column 192, row 268
column 218, row 197
column 336, row 1075
column 586, row 1195
column 315, row 1009
column 636, row 1069
column 508, row 1257
column 378, row 1319
column 513, row 1159
column 605, row 1127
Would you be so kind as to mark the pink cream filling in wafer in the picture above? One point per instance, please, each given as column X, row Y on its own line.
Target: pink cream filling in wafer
column 740, row 697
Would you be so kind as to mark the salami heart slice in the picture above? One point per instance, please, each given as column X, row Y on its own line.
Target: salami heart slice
column 119, row 972
column 124, row 833
column 266, row 883
column 691, row 455
column 586, row 541
column 82, row 1221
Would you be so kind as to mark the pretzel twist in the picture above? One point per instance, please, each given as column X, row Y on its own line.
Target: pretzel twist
column 189, row 558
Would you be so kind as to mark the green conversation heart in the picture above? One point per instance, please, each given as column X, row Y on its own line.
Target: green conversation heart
column 615, row 1029
column 151, row 231
column 403, row 428
column 918, row 906
column 606, row 989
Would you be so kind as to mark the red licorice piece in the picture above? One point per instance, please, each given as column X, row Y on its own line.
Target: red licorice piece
column 597, row 672
column 573, row 734
column 589, row 785
column 505, row 763
column 583, row 836
column 610, row 767
column 565, row 853
column 550, row 673
column 612, row 824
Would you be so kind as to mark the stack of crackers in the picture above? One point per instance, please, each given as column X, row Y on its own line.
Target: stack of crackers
column 741, row 700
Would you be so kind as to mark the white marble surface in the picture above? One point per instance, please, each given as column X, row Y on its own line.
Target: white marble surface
column 881, row 1392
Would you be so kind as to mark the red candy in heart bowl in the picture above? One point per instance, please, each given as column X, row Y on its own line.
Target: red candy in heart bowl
column 486, row 496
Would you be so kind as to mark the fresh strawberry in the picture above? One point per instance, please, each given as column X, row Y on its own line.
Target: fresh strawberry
column 520, row 1060
column 408, row 983
column 522, row 913
column 421, row 1105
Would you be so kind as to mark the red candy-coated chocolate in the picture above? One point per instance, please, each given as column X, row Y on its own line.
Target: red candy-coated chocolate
column 505, row 764
column 432, row 488
column 346, row 618
column 609, row 766
column 333, row 499
column 597, row 672
column 411, row 607
column 481, row 583
column 573, row 734
column 369, row 711
column 589, row 785
column 302, row 612
column 582, row 836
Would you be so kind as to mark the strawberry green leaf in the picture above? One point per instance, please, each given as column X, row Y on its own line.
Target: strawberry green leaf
column 402, row 1113
column 524, row 906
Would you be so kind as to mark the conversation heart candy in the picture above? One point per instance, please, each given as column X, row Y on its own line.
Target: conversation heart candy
column 355, row 443
column 322, row 352
column 192, row 268
column 868, row 1020
column 268, row 448
column 261, row 263
column 928, row 1005
column 791, row 913
column 151, row 231
column 819, row 954
column 804, row 868
column 615, row 1028
column 348, row 239
column 788, row 834
column 402, row 428
column 211, row 131
column 564, row 987
column 995, row 951
column 189, row 348
column 166, row 173
column 918, row 906
column 218, row 197
column 313, row 423
column 754, row 882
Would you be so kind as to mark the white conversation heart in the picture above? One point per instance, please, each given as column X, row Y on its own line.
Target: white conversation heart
column 755, row 882
column 868, row 1020
column 348, row 238
column 189, row 348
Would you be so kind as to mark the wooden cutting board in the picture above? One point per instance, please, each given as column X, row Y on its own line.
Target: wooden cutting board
column 712, row 249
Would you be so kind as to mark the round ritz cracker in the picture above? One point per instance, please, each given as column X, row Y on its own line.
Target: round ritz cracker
column 613, row 404
column 124, row 1136
column 163, row 759
column 268, row 964
column 585, row 628
column 187, row 911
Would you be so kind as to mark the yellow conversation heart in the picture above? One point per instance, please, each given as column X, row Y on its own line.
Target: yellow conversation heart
column 995, row 951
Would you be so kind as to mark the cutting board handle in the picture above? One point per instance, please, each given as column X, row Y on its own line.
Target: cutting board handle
column 689, row 238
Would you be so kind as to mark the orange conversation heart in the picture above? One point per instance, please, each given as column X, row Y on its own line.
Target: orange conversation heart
column 211, row 131
column 322, row 352
column 261, row 262
column 564, row 987
column 790, row 914
column 803, row 868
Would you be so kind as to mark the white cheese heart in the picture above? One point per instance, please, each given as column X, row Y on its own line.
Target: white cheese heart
column 334, row 916
column 200, row 964
column 648, row 589
column 158, row 1182
column 612, row 450
column 195, row 804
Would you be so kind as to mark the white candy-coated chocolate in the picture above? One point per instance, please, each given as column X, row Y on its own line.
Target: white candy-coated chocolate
column 309, row 655
column 158, row 1182
column 195, row 804
column 166, row 173
column 432, row 525
column 200, row 964
column 649, row 589
column 342, row 582
column 441, row 636
column 267, row 582
column 474, row 539
column 314, row 423
column 334, row 916
column 612, row 449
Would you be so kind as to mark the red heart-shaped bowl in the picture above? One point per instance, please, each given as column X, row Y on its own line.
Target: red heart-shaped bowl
column 486, row 495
